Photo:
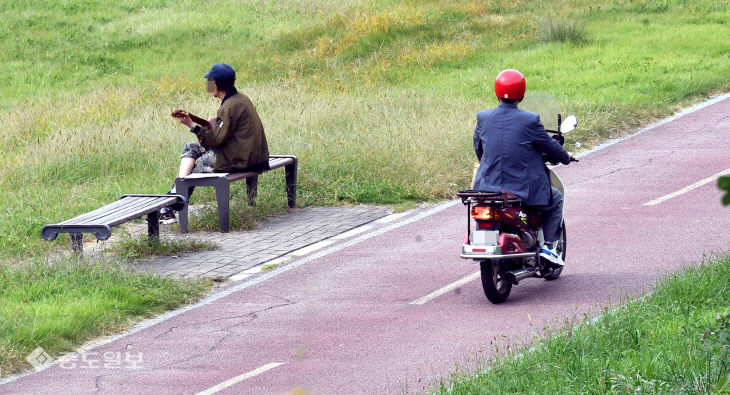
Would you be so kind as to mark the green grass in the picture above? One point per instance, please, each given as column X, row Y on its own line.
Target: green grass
column 135, row 249
column 566, row 31
column 674, row 340
column 376, row 97
column 60, row 304
column 724, row 184
column 269, row 267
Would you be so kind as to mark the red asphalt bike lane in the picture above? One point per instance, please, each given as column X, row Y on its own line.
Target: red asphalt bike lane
column 344, row 322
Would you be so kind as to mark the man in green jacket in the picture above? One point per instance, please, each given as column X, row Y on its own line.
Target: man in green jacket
column 233, row 141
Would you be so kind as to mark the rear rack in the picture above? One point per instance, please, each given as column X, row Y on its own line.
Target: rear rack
column 502, row 197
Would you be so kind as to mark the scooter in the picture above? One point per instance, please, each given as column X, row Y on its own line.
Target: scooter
column 505, row 236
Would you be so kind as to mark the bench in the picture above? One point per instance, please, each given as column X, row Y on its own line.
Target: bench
column 100, row 221
column 222, row 181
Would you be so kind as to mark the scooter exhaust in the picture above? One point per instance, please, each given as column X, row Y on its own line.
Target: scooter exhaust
column 516, row 276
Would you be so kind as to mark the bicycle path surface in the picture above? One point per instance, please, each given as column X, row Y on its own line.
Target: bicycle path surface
column 396, row 310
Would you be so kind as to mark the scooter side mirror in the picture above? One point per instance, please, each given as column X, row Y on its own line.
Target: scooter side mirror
column 569, row 124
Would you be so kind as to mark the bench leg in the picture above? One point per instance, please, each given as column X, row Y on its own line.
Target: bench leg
column 252, row 189
column 153, row 225
column 181, row 188
column 222, row 195
column 77, row 242
column 291, row 183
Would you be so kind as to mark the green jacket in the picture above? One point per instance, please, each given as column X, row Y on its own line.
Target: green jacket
column 238, row 138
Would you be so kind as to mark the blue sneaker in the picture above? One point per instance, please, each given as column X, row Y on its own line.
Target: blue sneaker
column 551, row 255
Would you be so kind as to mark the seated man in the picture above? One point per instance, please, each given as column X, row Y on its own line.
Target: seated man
column 234, row 141
column 509, row 143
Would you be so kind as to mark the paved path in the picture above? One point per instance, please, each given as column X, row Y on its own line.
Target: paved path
column 343, row 319
column 277, row 240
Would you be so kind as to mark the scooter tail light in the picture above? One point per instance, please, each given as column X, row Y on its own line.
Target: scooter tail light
column 482, row 213
column 485, row 225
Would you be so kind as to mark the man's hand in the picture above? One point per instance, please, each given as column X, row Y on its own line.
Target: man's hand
column 183, row 117
column 186, row 121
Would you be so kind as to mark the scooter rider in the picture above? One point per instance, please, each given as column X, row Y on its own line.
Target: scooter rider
column 509, row 144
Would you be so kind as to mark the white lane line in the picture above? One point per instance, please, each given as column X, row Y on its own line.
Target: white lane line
column 446, row 289
column 238, row 379
column 688, row 188
column 353, row 232
column 392, row 217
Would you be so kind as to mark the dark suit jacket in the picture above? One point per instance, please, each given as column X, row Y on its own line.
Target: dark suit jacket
column 508, row 143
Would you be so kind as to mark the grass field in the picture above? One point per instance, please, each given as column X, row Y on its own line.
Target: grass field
column 61, row 305
column 376, row 97
column 675, row 340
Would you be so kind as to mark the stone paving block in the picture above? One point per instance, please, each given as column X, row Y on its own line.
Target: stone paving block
column 277, row 237
column 226, row 260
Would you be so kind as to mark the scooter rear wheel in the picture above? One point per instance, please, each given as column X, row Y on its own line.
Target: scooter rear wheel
column 496, row 288
column 561, row 248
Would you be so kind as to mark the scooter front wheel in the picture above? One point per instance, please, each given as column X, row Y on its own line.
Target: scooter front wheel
column 496, row 288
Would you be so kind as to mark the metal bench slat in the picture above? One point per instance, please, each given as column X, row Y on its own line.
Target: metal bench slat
column 148, row 208
column 273, row 164
column 98, row 215
column 133, row 210
column 92, row 213
column 121, row 208
column 137, row 207
column 278, row 162
column 106, row 215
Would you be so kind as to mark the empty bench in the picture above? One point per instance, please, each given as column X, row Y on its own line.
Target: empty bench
column 222, row 181
column 100, row 221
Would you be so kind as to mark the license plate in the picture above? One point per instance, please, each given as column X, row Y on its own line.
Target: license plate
column 484, row 237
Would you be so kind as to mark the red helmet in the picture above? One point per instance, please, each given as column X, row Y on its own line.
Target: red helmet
column 510, row 84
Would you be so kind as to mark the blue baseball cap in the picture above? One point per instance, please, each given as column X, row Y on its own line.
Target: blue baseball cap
column 221, row 72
